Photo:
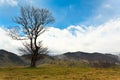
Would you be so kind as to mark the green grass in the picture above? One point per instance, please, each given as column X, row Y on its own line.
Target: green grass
column 58, row 72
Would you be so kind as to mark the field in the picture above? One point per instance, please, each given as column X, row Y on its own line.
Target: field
column 55, row 72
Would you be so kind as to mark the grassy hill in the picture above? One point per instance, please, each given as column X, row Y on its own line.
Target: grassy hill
column 61, row 67
column 58, row 72
column 67, row 59
column 91, row 57
column 10, row 59
column 76, row 58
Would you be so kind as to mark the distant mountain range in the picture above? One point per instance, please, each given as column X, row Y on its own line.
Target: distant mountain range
column 11, row 59
column 91, row 57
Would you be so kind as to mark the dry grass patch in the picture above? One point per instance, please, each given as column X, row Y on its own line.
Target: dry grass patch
column 54, row 72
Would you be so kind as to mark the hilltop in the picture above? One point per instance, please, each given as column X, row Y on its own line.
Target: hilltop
column 9, row 59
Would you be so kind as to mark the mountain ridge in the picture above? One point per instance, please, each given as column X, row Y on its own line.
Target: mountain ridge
column 92, row 56
column 8, row 58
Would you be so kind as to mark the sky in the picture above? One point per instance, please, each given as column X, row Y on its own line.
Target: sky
column 66, row 12
column 80, row 25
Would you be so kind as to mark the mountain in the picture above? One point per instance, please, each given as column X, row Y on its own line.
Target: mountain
column 90, row 57
column 44, row 58
column 79, row 57
column 10, row 59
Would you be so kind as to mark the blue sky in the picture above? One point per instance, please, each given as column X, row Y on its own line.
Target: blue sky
column 66, row 12
column 80, row 25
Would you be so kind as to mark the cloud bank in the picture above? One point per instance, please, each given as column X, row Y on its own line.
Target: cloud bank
column 8, row 43
column 104, row 38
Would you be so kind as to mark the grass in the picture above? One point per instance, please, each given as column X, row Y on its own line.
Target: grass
column 57, row 72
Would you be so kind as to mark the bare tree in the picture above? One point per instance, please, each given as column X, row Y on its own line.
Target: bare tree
column 32, row 22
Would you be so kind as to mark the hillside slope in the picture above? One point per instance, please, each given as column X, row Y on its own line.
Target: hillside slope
column 90, row 57
column 9, row 59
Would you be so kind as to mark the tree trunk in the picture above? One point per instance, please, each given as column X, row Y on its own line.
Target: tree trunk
column 33, row 61
column 33, row 64
column 35, row 53
column 34, row 58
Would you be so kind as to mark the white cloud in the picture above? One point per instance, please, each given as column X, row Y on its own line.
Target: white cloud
column 99, row 16
column 27, row 2
column 8, row 43
column 8, row 2
column 104, row 38
column 107, row 6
